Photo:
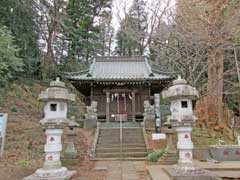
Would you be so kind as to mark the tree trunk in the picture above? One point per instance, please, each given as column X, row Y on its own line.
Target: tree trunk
column 48, row 65
column 238, row 73
column 215, row 84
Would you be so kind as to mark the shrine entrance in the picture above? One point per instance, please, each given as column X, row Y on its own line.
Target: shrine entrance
column 120, row 102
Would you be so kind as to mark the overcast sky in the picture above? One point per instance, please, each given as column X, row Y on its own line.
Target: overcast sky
column 121, row 6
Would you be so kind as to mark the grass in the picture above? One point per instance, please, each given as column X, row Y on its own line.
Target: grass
column 23, row 164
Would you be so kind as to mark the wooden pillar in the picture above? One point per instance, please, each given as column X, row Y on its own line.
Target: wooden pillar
column 133, row 107
column 107, row 106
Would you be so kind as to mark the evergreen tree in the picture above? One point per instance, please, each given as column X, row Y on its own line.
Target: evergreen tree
column 82, row 32
column 132, row 33
column 10, row 64
column 106, row 32
column 18, row 17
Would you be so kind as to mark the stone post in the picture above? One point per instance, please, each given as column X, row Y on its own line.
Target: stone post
column 71, row 152
column 107, row 106
column 54, row 121
column 170, row 153
column 149, row 116
column 133, row 107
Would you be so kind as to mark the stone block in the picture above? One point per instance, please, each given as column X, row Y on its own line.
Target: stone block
column 90, row 122
column 149, row 121
column 201, row 153
column 225, row 152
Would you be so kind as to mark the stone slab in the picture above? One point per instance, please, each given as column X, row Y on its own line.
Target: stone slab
column 157, row 173
column 123, row 170
column 228, row 169
column 226, row 165
column 196, row 174
column 101, row 166
column 139, row 166
column 228, row 174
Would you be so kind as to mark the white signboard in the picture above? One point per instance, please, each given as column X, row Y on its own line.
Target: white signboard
column 238, row 138
column 3, row 127
column 158, row 136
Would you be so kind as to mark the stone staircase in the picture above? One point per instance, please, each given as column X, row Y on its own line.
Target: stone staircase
column 108, row 144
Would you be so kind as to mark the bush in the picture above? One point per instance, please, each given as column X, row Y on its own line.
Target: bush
column 155, row 156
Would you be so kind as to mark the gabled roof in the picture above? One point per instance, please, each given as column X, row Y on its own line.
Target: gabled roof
column 117, row 68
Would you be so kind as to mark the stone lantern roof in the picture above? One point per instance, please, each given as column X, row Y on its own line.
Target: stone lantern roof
column 180, row 89
column 56, row 91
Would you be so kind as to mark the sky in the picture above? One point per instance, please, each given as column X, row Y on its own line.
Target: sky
column 122, row 6
column 119, row 6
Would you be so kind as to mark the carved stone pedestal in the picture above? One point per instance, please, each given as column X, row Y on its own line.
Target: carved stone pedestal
column 149, row 121
column 71, row 152
column 170, row 155
column 189, row 173
column 90, row 122
column 56, row 174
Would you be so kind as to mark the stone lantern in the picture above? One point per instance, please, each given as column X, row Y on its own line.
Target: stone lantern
column 54, row 121
column 181, row 95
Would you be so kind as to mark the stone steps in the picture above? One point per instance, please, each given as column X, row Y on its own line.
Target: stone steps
column 118, row 150
column 132, row 145
column 124, row 154
column 126, row 141
column 109, row 144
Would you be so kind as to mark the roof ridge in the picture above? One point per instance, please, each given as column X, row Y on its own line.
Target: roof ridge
column 119, row 58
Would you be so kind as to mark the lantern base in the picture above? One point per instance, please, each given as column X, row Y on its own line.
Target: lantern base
column 187, row 171
column 56, row 174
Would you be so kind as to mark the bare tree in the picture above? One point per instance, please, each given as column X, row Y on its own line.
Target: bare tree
column 211, row 24
column 49, row 17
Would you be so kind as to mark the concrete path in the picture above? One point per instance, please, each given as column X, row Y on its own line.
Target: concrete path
column 123, row 170
column 156, row 172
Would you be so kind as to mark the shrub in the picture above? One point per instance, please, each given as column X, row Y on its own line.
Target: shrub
column 155, row 156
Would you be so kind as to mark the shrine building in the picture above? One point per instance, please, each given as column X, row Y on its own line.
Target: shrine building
column 120, row 85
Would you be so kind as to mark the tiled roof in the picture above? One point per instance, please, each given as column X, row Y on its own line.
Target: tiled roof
column 118, row 68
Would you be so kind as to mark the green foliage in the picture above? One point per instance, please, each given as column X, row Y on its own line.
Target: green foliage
column 23, row 164
column 155, row 156
column 10, row 64
column 72, row 65
column 18, row 17
column 132, row 33
column 81, row 31
column 14, row 109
